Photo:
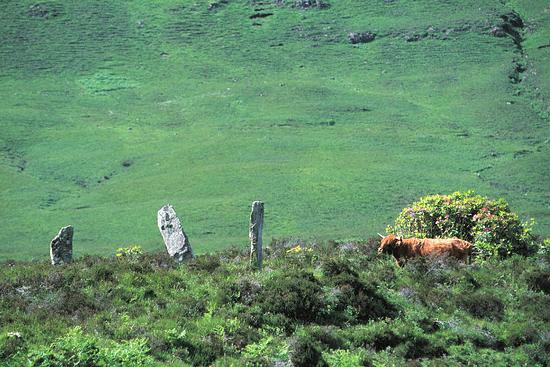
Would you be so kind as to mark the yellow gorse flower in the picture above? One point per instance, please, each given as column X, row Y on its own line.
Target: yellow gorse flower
column 298, row 249
column 294, row 250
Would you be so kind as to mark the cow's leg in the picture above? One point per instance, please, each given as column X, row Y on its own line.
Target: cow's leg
column 463, row 256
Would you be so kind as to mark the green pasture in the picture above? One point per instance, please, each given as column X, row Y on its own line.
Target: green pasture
column 111, row 109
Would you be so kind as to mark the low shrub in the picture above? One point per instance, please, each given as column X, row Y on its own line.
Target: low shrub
column 420, row 346
column 297, row 295
column 265, row 352
column 131, row 253
column 535, row 305
column 468, row 355
column 103, row 273
column 190, row 306
column 305, row 352
column 10, row 343
column 326, row 336
column 133, row 353
column 383, row 335
column 365, row 301
column 203, row 351
column 539, row 279
column 482, row 305
column 338, row 266
column 518, row 333
column 280, row 246
column 347, row 358
column 75, row 348
column 543, row 250
column 244, row 290
column 207, row 263
column 540, row 351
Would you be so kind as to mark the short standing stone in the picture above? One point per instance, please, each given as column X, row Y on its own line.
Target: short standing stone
column 175, row 239
column 255, row 234
column 61, row 247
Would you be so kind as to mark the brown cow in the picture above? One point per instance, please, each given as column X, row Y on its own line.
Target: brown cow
column 406, row 248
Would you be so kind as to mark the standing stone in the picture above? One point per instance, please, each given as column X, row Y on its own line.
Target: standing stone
column 175, row 239
column 255, row 233
column 61, row 247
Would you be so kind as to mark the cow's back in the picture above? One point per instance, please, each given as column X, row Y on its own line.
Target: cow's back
column 412, row 247
column 436, row 246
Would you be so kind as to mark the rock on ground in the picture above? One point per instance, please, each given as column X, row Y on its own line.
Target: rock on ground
column 361, row 37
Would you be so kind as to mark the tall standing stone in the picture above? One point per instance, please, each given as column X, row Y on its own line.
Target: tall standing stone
column 175, row 239
column 61, row 247
column 255, row 233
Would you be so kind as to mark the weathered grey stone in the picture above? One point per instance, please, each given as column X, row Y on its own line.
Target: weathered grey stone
column 361, row 37
column 498, row 32
column 61, row 247
column 175, row 239
column 255, row 233
column 306, row 4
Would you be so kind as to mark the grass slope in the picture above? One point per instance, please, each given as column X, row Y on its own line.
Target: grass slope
column 111, row 109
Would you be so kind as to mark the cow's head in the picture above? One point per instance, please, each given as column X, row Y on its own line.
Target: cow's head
column 389, row 243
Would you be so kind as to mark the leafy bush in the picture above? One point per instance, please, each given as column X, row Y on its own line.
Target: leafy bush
column 265, row 352
column 536, row 305
column 297, row 295
column 243, row 290
column 79, row 349
column 75, row 348
column 361, row 298
column 346, row 358
column 131, row 253
column 544, row 250
column 489, row 224
column 469, row 355
column 207, row 263
column 522, row 333
column 337, row 266
column 128, row 353
column 9, row 344
column 102, row 273
column 351, row 299
column 305, row 352
column 539, row 280
column 482, row 305
column 205, row 350
column 326, row 336
column 420, row 346
column 539, row 352
column 380, row 335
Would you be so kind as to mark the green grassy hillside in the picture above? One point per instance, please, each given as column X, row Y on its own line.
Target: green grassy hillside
column 111, row 109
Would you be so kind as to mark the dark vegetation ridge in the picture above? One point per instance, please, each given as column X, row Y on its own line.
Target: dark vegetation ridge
column 335, row 113
column 315, row 304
